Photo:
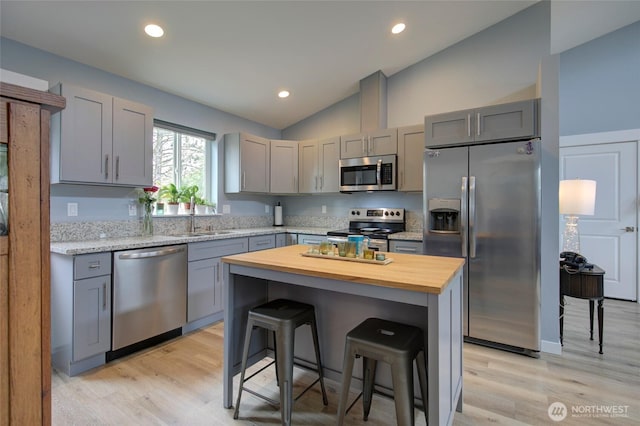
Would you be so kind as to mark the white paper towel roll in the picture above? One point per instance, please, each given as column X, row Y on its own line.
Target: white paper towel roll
column 277, row 215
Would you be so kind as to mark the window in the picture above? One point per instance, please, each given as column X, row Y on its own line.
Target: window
column 184, row 157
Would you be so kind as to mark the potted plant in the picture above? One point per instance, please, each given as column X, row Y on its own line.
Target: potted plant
column 170, row 193
column 201, row 205
column 186, row 192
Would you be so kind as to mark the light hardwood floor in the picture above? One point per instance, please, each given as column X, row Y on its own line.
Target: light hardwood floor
column 180, row 383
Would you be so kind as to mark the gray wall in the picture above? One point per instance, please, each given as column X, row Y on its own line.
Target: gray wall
column 600, row 84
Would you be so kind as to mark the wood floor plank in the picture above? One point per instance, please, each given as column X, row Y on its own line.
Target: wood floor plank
column 180, row 383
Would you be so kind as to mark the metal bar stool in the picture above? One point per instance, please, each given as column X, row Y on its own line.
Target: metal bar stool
column 396, row 344
column 282, row 317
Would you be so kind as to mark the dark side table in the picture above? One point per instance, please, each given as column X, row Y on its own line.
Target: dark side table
column 585, row 284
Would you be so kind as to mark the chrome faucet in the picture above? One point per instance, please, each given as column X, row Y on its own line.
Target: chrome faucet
column 192, row 212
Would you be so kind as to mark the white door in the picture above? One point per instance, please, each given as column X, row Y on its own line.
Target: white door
column 609, row 237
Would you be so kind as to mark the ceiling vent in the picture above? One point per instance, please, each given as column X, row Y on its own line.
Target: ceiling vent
column 373, row 102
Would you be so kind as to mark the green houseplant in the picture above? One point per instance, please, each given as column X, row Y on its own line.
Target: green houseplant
column 171, row 194
column 185, row 194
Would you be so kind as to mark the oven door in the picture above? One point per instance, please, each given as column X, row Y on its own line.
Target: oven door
column 368, row 174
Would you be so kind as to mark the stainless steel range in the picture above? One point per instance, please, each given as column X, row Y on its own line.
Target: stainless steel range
column 374, row 223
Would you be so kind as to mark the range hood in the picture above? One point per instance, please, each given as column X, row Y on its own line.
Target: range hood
column 373, row 102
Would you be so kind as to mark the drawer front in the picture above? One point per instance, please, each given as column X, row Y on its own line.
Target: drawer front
column 217, row 248
column 409, row 247
column 262, row 242
column 91, row 265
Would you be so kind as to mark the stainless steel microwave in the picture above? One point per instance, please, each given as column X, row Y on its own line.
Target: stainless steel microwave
column 369, row 174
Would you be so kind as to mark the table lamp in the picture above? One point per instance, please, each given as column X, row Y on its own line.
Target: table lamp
column 577, row 197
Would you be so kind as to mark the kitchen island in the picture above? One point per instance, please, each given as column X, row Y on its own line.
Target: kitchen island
column 419, row 290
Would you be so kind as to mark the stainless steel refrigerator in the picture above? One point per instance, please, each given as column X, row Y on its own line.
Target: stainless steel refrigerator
column 482, row 202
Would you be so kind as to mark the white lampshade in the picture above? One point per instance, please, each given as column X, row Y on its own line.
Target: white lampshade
column 577, row 197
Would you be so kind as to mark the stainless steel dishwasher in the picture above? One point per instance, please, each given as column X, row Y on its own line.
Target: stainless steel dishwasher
column 149, row 293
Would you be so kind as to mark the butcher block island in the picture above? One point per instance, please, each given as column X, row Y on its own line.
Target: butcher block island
column 425, row 291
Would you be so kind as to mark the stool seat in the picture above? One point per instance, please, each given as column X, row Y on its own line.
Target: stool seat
column 282, row 317
column 396, row 344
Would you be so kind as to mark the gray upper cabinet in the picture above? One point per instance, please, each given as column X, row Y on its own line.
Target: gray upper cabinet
column 101, row 139
column 380, row 142
column 318, row 165
column 284, row 167
column 247, row 163
column 410, row 151
column 515, row 120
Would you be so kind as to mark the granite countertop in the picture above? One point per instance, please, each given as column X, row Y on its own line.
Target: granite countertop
column 113, row 244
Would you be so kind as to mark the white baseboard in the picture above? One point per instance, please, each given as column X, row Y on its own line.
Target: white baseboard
column 551, row 347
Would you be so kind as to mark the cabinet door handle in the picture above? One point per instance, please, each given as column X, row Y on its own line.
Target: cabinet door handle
column 104, row 296
column 364, row 149
column 94, row 265
column 106, row 166
column 628, row 229
column 321, row 181
column 244, row 180
column 369, row 144
column 117, row 167
column 406, row 249
column 401, row 180
column 469, row 125
column 478, row 123
column 218, row 272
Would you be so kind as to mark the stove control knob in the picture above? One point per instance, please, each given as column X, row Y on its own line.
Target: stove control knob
column 397, row 213
column 386, row 213
column 392, row 213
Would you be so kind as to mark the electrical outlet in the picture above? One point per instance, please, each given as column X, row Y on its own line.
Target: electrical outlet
column 226, row 209
column 324, row 209
column 72, row 209
column 133, row 209
column 266, row 208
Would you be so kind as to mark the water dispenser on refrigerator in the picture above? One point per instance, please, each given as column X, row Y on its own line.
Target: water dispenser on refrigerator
column 444, row 215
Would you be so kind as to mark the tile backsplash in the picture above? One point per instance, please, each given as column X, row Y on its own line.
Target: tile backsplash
column 166, row 225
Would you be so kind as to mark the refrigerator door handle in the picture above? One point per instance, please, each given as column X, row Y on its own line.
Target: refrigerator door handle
column 472, row 217
column 463, row 215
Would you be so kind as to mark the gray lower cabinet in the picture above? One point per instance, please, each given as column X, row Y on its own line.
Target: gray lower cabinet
column 80, row 311
column 311, row 239
column 281, row 240
column 408, row 247
column 204, row 275
column 262, row 242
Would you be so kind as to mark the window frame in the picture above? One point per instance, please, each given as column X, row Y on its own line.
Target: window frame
column 209, row 192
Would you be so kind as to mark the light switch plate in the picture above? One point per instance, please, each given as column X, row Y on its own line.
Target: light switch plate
column 133, row 209
column 72, row 209
column 226, row 209
column 266, row 208
column 324, row 209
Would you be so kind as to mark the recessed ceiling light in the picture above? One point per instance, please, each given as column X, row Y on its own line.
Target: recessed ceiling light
column 283, row 94
column 398, row 28
column 154, row 30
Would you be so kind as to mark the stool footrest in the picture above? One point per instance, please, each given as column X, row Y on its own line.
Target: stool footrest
column 259, row 371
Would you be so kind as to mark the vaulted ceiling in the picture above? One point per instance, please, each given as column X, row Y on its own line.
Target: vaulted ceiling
column 236, row 55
